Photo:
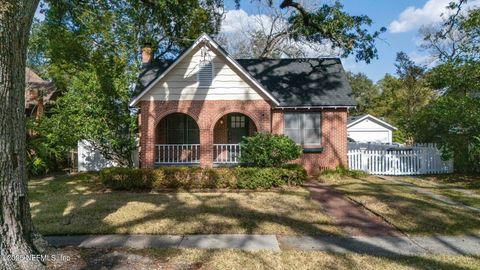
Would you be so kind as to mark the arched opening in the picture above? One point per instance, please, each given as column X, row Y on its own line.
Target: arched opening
column 177, row 140
column 227, row 135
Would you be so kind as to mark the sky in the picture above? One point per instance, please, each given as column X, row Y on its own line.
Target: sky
column 402, row 18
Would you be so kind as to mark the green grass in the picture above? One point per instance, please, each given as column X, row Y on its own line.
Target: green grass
column 236, row 259
column 411, row 212
column 80, row 205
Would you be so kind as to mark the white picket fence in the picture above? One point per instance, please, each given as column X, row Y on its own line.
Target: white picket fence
column 388, row 160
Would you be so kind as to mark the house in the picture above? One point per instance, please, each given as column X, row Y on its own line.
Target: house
column 38, row 94
column 196, row 109
column 367, row 128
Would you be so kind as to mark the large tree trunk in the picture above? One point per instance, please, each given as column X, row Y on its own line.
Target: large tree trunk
column 16, row 229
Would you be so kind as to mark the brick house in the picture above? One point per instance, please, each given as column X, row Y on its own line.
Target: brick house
column 196, row 109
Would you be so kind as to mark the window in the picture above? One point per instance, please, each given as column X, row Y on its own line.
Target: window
column 304, row 128
column 237, row 121
column 182, row 129
column 205, row 73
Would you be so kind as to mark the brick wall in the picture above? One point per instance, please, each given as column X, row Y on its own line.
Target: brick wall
column 205, row 112
column 208, row 113
column 334, row 140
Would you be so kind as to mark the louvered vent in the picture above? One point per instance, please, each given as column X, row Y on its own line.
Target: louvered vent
column 205, row 74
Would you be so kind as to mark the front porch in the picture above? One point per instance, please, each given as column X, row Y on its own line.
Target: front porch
column 178, row 140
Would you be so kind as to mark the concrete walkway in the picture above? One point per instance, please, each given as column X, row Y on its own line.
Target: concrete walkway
column 349, row 216
column 385, row 245
column 433, row 195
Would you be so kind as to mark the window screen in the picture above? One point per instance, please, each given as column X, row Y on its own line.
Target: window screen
column 182, row 129
column 303, row 128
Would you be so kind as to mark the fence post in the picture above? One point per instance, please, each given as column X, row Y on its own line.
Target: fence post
column 364, row 159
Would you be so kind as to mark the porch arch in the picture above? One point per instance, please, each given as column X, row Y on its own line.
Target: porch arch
column 252, row 117
column 177, row 128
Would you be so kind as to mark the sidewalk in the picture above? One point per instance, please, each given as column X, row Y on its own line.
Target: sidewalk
column 381, row 246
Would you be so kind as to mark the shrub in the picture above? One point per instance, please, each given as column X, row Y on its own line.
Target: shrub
column 127, row 178
column 268, row 150
column 190, row 178
column 342, row 171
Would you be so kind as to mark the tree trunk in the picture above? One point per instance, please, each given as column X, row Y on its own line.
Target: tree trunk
column 16, row 228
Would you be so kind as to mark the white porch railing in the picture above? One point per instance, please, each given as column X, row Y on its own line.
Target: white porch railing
column 226, row 153
column 177, row 153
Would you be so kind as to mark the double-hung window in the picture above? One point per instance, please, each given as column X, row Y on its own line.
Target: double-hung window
column 304, row 128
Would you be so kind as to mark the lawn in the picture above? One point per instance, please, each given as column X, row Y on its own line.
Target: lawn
column 459, row 187
column 411, row 212
column 237, row 259
column 80, row 205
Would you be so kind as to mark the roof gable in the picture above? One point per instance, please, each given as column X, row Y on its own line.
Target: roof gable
column 159, row 69
column 354, row 120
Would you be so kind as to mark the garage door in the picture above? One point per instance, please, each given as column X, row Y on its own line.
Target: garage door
column 369, row 136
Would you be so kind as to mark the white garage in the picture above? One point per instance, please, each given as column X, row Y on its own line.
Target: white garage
column 367, row 128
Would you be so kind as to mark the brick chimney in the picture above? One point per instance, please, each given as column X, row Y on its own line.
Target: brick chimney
column 147, row 53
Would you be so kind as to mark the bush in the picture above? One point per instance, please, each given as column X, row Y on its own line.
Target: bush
column 190, row 178
column 342, row 171
column 127, row 178
column 268, row 150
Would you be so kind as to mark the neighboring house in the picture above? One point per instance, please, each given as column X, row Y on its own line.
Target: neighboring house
column 196, row 109
column 38, row 94
column 367, row 128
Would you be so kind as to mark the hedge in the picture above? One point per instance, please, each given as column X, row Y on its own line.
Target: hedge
column 196, row 178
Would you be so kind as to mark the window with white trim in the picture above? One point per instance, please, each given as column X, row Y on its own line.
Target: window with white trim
column 303, row 128
column 205, row 73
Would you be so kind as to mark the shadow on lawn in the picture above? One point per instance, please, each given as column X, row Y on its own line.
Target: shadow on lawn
column 411, row 212
column 74, row 208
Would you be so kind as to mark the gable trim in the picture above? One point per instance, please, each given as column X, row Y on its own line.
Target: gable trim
column 204, row 38
column 375, row 119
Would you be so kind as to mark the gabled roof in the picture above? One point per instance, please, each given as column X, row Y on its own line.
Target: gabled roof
column 204, row 38
column 299, row 82
column 353, row 120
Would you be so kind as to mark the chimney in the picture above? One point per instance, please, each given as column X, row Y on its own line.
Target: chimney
column 147, row 53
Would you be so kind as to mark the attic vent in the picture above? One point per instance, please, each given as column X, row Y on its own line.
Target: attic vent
column 205, row 70
column 205, row 74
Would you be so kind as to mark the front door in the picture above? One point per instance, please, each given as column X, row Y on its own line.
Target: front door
column 237, row 127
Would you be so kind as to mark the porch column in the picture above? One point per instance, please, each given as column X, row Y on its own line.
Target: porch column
column 206, row 147
column 147, row 135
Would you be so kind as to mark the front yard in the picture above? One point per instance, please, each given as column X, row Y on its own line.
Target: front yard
column 411, row 212
column 237, row 259
column 462, row 188
column 80, row 205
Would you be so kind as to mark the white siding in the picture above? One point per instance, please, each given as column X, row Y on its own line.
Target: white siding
column 181, row 83
column 370, row 131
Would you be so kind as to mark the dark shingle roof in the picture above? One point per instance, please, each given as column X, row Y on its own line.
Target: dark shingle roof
column 293, row 82
column 302, row 81
column 150, row 72
column 352, row 119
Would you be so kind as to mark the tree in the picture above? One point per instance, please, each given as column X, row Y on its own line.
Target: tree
column 16, row 228
column 455, row 45
column 364, row 91
column 329, row 25
column 454, row 124
column 403, row 96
